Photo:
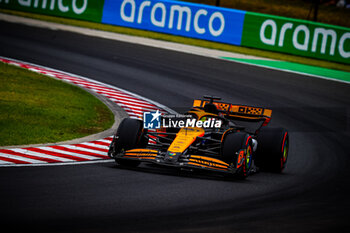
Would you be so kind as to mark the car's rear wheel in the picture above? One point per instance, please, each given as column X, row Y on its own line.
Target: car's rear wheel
column 272, row 150
column 237, row 150
column 130, row 135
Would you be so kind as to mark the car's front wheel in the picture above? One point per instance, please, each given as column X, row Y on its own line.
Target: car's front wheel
column 237, row 150
column 130, row 135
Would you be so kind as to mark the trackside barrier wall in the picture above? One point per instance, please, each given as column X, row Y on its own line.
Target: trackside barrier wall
column 177, row 18
column 299, row 37
column 89, row 10
column 229, row 26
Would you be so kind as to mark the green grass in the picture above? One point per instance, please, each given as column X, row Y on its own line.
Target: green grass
column 38, row 109
column 183, row 40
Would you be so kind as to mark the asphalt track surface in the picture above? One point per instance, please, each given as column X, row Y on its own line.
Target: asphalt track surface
column 312, row 195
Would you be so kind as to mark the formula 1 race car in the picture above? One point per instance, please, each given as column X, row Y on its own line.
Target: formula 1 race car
column 238, row 143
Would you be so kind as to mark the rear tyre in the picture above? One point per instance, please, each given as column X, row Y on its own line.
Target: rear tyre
column 130, row 135
column 237, row 150
column 272, row 150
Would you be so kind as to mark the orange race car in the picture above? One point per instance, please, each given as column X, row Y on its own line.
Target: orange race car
column 213, row 135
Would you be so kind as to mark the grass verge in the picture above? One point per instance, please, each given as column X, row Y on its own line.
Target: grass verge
column 37, row 109
column 184, row 40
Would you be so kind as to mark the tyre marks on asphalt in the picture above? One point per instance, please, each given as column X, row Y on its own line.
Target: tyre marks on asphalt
column 82, row 152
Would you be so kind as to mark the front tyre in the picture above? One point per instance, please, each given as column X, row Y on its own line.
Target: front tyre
column 130, row 135
column 237, row 151
column 272, row 150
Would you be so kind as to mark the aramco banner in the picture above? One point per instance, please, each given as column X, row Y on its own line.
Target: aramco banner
column 177, row 18
column 229, row 26
column 299, row 37
column 90, row 10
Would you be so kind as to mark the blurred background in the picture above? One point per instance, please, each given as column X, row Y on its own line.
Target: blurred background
column 336, row 12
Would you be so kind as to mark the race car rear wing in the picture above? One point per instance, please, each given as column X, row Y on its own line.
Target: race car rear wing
column 248, row 113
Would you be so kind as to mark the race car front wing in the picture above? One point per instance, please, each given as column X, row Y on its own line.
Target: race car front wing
column 177, row 160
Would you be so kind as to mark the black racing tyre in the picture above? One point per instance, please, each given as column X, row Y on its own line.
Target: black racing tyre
column 235, row 145
column 130, row 134
column 272, row 151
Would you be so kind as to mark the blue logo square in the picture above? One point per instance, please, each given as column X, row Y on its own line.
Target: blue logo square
column 151, row 120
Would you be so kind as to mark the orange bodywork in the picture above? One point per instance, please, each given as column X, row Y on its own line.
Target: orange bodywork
column 240, row 158
column 208, row 162
column 239, row 111
column 210, row 167
column 184, row 138
column 141, row 154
